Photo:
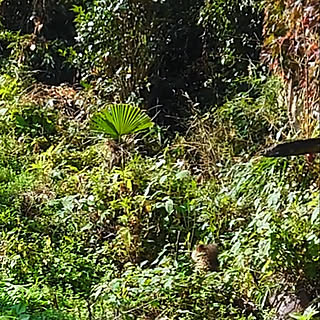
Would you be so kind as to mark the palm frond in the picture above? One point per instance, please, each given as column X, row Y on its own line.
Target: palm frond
column 117, row 120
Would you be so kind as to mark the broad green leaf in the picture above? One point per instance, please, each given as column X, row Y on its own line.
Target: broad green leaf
column 315, row 215
column 163, row 179
column 169, row 206
column 182, row 174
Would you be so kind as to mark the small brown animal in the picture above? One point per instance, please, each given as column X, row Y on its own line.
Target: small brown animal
column 205, row 257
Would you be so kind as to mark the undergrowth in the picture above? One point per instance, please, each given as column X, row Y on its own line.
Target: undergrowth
column 84, row 239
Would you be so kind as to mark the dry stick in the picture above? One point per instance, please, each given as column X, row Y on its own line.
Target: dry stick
column 307, row 105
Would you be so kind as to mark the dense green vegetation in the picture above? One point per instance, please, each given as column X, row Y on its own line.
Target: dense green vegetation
column 100, row 208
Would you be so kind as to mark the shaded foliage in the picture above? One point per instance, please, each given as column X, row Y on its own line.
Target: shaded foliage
column 166, row 52
column 50, row 30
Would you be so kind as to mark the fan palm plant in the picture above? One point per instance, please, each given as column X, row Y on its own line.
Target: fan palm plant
column 121, row 119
